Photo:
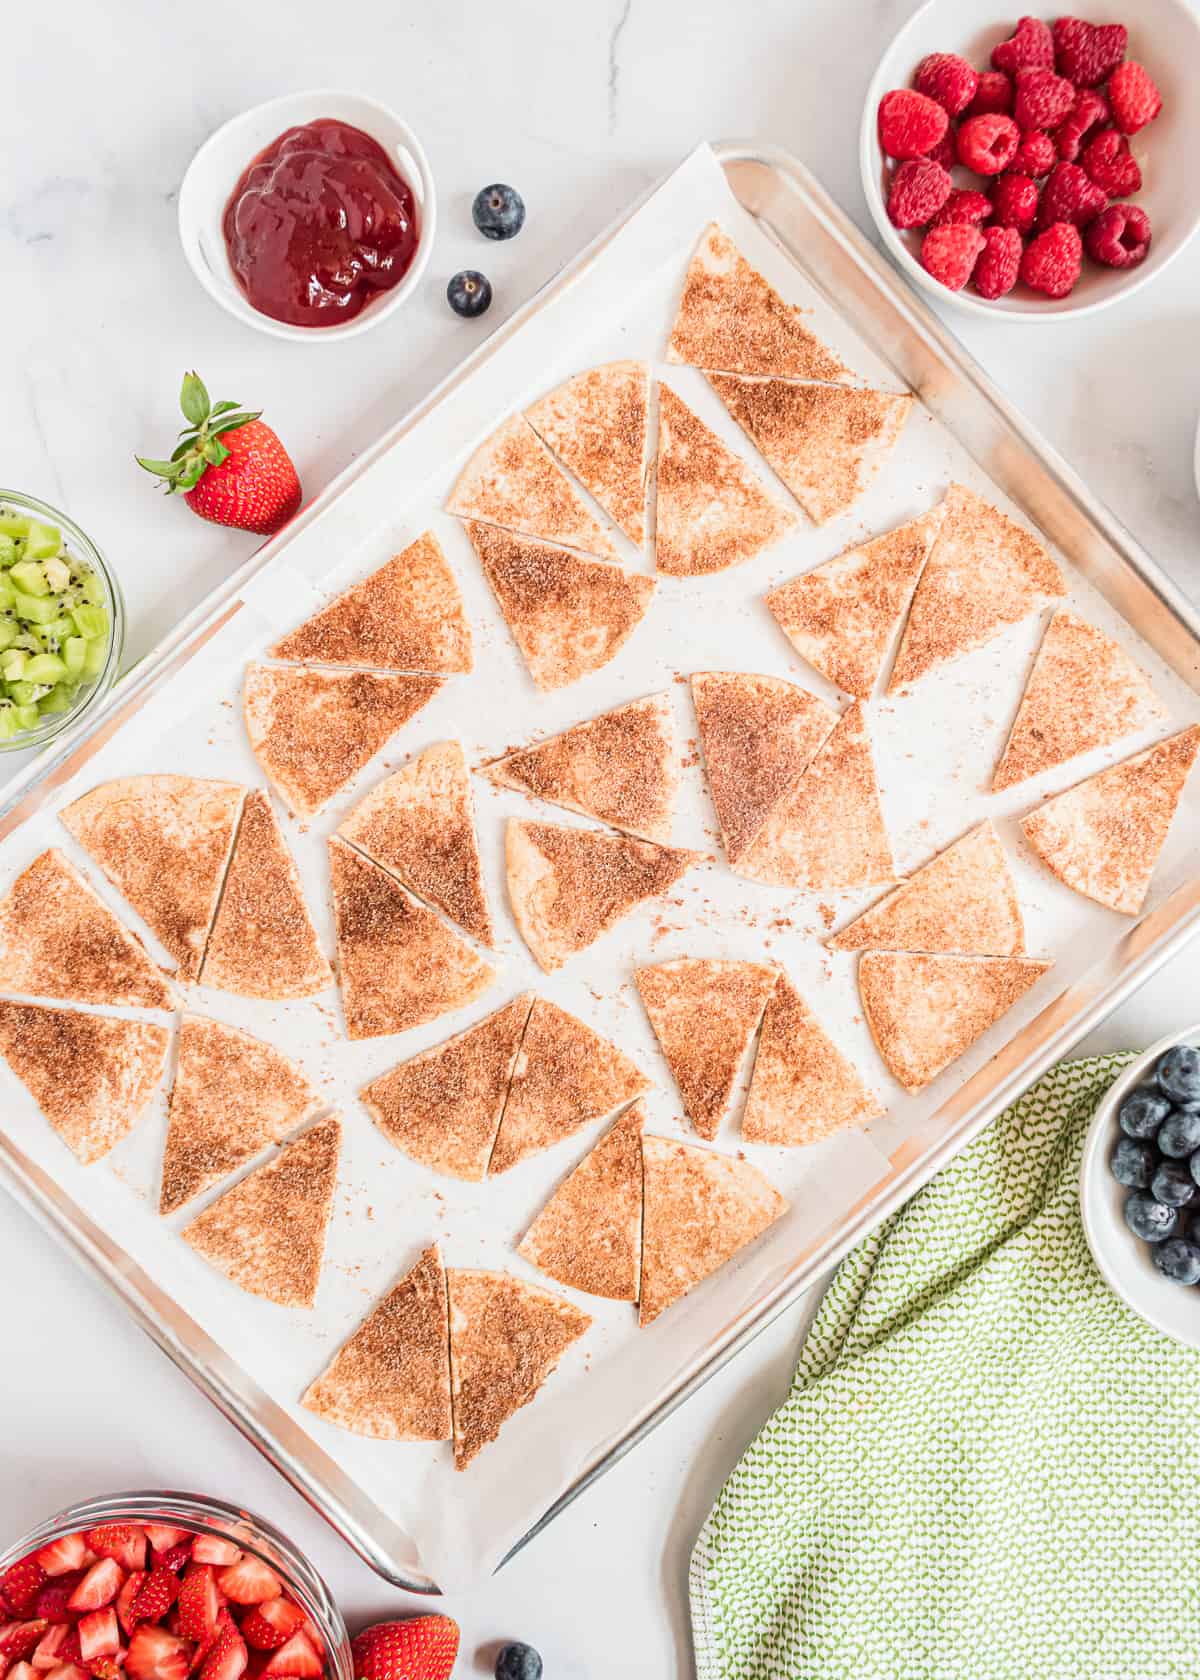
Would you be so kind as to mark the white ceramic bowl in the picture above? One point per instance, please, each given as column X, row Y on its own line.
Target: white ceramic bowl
column 218, row 165
column 1124, row 1260
column 1163, row 34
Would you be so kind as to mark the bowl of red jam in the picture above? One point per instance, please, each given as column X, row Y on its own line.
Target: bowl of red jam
column 311, row 216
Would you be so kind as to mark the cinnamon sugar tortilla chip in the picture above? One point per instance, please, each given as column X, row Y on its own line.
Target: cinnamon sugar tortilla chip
column 963, row 900
column 589, row 1234
column 512, row 481
column 391, row 1380
column 699, row 1210
column 91, row 1075
column 704, row 1012
column 619, row 767
column 596, row 423
column 164, row 843
column 1102, row 838
column 803, row 1088
column 267, row 1234
column 233, row 1095
column 925, row 1011
column 1084, row 691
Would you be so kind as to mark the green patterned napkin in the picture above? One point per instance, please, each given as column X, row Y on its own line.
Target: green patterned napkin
column 988, row 1468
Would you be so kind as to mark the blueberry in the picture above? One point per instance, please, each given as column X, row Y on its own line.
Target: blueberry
column 469, row 292
column 518, row 1662
column 1179, row 1074
column 1153, row 1221
column 1178, row 1259
column 499, row 211
column 1132, row 1163
column 1142, row 1113
column 1173, row 1184
column 1179, row 1134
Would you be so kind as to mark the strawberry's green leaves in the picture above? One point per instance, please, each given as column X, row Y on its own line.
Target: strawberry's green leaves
column 223, row 408
column 192, row 473
column 215, row 452
column 193, row 399
column 229, row 422
column 160, row 469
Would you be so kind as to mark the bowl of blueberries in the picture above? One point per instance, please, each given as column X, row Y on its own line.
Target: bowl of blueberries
column 1140, row 1186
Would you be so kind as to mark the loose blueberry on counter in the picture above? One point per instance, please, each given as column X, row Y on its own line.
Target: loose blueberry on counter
column 1178, row 1259
column 1173, row 1184
column 1142, row 1113
column 1179, row 1134
column 1133, row 1162
column 498, row 211
column 1153, row 1221
column 1179, row 1074
column 518, row 1662
column 469, row 293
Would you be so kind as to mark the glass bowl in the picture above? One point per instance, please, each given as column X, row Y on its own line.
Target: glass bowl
column 201, row 1515
column 79, row 543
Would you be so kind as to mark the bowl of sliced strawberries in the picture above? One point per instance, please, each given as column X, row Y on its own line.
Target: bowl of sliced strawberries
column 160, row 1586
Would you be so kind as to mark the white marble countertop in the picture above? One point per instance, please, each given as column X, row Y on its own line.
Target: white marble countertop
column 581, row 106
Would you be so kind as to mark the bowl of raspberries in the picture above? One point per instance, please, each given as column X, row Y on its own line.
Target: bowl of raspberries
column 1140, row 1185
column 1031, row 167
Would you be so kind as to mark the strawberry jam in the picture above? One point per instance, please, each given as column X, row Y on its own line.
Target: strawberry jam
column 319, row 224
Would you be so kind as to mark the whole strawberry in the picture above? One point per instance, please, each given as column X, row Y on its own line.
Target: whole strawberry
column 230, row 467
column 420, row 1648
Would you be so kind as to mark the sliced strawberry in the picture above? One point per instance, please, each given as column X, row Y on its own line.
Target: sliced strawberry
column 68, row 1671
column 20, row 1585
column 174, row 1559
column 125, row 1542
column 298, row 1658
column 63, row 1555
column 163, row 1539
column 272, row 1623
column 155, row 1654
column 19, row 1640
column 226, row 1657
column 157, row 1594
column 210, row 1548
column 108, row 1668
column 23, row 1671
column 99, row 1586
column 249, row 1582
column 198, row 1603
column 99, row 1635
column 50, row 1648
column 127, row 1597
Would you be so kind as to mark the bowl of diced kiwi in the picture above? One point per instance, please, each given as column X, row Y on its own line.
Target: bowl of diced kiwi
column 62, row 621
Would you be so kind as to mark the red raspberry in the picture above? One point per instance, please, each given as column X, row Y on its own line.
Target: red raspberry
column 1030, row 44
column 1052, row 262
column 1089, row 109
column 1014, row 202
column 947, row 78
column 919, row 189
column 949, row 253
column 1043, row 99
column 945, row 152
column 1119, row 237
column 1133, row 96
column 964, row 205
column 1111, row 165
column 988, row 144
column 910, row 124
column 1068, row 196
column 1036, row 155
column 1086, row 53
column 999, row 262
column 994, row 95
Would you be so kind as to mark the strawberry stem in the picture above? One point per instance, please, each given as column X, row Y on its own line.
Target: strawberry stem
column 199, row 445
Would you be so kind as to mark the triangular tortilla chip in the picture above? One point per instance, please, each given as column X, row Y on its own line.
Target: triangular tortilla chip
column 803, row 1088
column 619, row 767
column 312, row 731
column 758, row 735
column 565, row 1076
column 391, row 1380
column 1102, row 837
column 699, row 1209
column 399, row 964
column 443, row 1107
column 712, row 512
column 419, row 823
column 589, row 1234
column 263, row 943
column 842, row 616
column 58, row 939
column 828, row 833
column 512, row 481
column 267, row 1234
column 567, row 886
column 568, row 615
column 704, row 1013
column 406, row 616
column 984, row 574
column 1084, row 691
column 91, row 1075
column 925, row 1011
column 506, row 1337
column 595, row 423
column 963, row 900
column 825, row 442
column 732, row 320
column 164, row 843
column 233, row 1095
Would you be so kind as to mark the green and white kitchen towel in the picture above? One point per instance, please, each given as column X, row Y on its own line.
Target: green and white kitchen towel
column 987, row 1468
